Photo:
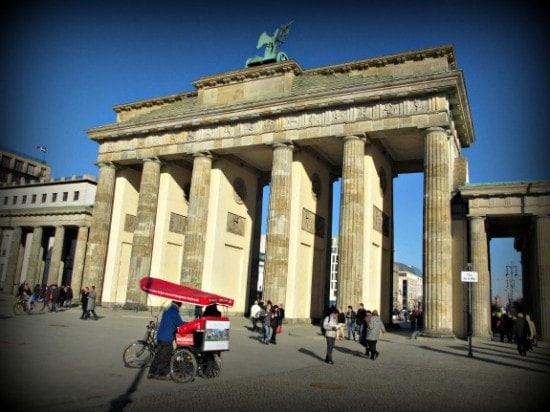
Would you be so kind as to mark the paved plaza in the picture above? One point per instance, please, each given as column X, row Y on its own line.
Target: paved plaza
column 58, row 362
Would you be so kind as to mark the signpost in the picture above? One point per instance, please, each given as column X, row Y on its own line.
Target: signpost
column 469, row 277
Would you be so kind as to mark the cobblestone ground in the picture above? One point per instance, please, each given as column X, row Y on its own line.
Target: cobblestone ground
column 58, row 362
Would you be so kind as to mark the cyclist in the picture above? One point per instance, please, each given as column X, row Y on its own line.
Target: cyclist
column 25, row 294
column 171, row 319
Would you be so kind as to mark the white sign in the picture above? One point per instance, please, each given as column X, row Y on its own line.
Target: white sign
column 468, row 276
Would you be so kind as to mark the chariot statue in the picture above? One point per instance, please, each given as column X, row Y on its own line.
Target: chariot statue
column 271, row 43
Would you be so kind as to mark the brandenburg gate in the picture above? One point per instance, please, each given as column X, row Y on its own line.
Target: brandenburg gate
column 181, row 179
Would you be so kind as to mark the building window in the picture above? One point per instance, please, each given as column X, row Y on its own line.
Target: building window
column 33, row 199
column 24, row 200
column 14, row 201
column 76, row 195
column 42, row 172
column 44, row 197
column 54, row 197
column 65, row 196
column 6, row 161
column 18, row 165
column 30, row 169
column 405, row 289
column 5, row 200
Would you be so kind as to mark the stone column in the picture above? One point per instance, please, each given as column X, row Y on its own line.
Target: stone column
column 13, row 258
column 197, row 219
column 438, row 302
column 98, row 242
column 278, row 229
column 78, row 262
column 142, row 243
column 55, row 260
column 543, row 273
column 33, row 266
column 352, row 223
column 481, row 290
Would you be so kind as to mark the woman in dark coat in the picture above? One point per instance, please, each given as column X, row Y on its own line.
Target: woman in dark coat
column 84, row 301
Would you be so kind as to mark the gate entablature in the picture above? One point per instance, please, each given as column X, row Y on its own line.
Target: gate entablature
column 392, row 99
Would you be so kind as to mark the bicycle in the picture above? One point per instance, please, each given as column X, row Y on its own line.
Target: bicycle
column 20, row 306
column 140, row 354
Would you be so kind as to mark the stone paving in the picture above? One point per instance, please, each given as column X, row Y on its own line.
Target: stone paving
column 58, row 362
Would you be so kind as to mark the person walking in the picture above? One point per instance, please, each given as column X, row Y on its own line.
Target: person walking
column 69, row 297
column 90, row 307
column 330, row 325
column 54, row 294
column 255, row 310
column 360, row 319
column 350, row 319
column 521, row 331
column 84, row 302
column 171, row 319
column 341, row 324
column 265, row 314
column 532, row 337
column 371, row 332
column 275, row 322
column 412, row 320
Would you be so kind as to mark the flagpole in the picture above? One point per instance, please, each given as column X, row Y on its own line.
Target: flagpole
column 43, row 150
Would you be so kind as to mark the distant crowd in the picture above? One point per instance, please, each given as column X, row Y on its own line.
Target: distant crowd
column 54, row 297
column 513, row 326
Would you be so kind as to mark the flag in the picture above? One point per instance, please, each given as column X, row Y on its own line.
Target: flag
column 41, row 148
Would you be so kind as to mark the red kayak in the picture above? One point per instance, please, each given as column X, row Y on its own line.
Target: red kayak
column 181, row 293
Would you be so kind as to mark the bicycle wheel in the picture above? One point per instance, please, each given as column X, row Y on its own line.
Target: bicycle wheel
column 18, row 308
column 137, row 355
column 211, row 366
column 183, row 366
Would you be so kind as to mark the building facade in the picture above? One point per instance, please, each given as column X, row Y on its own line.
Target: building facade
column 407, row 287
column 19, row 168
column 44, row 230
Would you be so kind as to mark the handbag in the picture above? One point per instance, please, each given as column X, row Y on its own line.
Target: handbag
column 279, row 329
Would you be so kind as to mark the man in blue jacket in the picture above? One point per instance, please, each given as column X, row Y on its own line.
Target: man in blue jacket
column 171, row 319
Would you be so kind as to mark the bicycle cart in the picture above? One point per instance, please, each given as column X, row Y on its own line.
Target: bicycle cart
column 200, row 342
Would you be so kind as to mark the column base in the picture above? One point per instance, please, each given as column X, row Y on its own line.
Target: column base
column 437, row 334
column 136, row 306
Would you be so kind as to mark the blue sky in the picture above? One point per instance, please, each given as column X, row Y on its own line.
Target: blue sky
column 65, row 64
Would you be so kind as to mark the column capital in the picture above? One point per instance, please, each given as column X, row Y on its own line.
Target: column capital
column 436, row 129
column 207, row 154
column 105, row 163
column 154, row 159
column 357, row 136
column 286, row 144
